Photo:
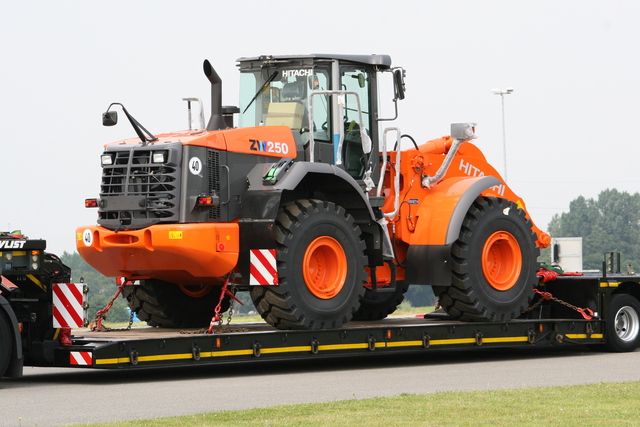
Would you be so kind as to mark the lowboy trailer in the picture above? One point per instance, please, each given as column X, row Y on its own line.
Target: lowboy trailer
column 598, row 310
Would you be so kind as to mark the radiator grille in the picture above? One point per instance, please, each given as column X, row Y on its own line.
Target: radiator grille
column 137, row 192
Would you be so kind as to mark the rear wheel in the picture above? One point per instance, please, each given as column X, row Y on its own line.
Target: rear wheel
column 174, row 306
column 321, row 268
column 494, row 263
column 623, row 324
column 381, row 303
column 6, row 344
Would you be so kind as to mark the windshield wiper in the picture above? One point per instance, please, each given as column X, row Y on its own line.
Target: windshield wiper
column 269, row 80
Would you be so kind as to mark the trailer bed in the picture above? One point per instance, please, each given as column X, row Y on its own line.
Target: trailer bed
column 149, row 346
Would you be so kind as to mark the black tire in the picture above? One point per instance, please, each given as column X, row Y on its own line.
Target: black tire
column 378, row 305
column 165, row 304
column 623, row 324
column 302, row 300
column 486, row 282
column 6, row 343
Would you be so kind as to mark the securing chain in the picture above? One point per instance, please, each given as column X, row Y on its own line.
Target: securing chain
column 231, row 302
column 587, row 313
column 102, row 314
column 224, row 292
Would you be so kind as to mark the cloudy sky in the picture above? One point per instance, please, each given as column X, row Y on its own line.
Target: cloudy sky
column 574, row 65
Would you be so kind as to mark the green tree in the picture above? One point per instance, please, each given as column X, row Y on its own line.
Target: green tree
column 420, row 296
column 610, row 223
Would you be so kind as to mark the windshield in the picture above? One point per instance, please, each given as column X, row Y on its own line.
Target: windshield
column 284, row 100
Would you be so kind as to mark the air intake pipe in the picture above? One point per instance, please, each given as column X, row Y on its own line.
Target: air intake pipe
column 216, row 121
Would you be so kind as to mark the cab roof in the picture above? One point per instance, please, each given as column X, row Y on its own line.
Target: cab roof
column 380, row 61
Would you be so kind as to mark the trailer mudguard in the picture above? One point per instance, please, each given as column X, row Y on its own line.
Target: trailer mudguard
column 261, row 202
column 440, row 218
column 17, row 359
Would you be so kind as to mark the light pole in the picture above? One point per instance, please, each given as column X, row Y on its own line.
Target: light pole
column 502, row 93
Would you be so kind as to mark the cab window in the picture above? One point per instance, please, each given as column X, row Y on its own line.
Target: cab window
column 355, row 80
column 280, row 97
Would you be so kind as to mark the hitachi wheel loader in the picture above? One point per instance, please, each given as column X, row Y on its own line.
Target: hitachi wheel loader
column 303, row 197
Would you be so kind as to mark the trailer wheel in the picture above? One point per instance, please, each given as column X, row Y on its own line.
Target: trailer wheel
column 378, row 305
column 494, row 263
column 321, row 268
column 169, row 305
column 623, row 324
column 6, row 344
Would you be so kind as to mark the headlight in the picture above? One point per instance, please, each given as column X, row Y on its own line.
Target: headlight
column 9, row 256
column 34, row 266
column 106, row 159
column 159, row 157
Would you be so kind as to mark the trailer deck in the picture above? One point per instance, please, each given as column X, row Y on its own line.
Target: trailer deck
column 148, row 346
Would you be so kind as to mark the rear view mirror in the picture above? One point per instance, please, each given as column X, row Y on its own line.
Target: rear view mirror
column 109, row 118
column 398, row 82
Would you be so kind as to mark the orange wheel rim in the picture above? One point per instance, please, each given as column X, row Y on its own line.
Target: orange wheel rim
column 195, row 291
column 501, row 260
column 324, row 267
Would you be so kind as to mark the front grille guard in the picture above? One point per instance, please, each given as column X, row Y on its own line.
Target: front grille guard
column 136, row 193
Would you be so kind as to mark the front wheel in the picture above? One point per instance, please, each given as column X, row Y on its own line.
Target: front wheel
column 623, row 324
column 494, row 263
column 321, row 268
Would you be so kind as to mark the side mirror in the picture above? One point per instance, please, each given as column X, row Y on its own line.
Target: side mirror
column 109, row 118
column 361, row 80
column 398, row 82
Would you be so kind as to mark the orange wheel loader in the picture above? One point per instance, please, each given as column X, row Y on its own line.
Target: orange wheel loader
column 301, row 196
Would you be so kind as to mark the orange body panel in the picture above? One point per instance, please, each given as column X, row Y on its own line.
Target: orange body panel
column 424, row 213
column 188, row 254
column 273, row 141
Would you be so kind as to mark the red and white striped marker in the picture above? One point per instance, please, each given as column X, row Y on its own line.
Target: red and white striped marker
column 67, row 305
column 81, row 358
column 263, row 270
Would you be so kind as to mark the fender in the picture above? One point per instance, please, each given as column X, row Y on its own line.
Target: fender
column 261, row 202
column 441, row 212
column 17, row 360
column 440, row 218
column 265, row 199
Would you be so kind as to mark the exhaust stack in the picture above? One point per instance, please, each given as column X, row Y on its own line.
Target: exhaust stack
column 216, row 121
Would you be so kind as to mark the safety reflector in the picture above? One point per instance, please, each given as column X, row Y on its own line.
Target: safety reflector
column 263, row 269
column 82, row 358
column 67, row 305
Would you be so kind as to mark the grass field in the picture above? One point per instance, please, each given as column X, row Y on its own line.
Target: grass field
column 605, row 404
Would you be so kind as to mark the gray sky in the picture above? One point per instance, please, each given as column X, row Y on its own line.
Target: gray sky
column 575, row 67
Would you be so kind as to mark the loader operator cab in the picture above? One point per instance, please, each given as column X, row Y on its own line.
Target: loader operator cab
column 328, row 101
